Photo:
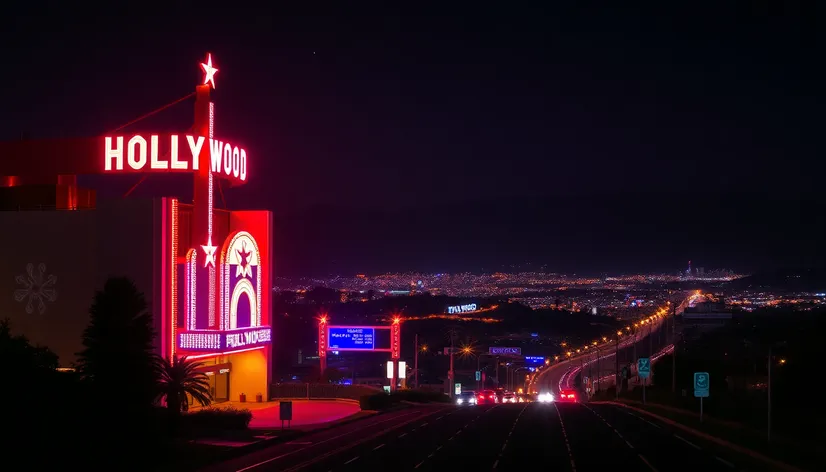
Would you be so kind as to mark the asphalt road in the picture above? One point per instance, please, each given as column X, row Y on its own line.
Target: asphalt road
column 519, row 437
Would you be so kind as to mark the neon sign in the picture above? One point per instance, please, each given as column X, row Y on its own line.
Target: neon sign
column 224, row 340
column 457, row 309
column 139, row 154
column 506, row 351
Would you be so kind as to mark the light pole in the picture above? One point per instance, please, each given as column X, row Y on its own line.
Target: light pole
column 616, row 359
column 416, row 361
column 674, row 351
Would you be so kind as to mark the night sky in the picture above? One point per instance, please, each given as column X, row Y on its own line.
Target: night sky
column 579, row 140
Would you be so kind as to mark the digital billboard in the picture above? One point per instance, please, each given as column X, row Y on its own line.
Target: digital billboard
column 505, row 351
column 344, row 338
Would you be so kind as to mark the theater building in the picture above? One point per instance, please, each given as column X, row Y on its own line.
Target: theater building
column 206, row 273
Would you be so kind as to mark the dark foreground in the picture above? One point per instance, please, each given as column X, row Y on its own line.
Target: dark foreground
column 565, row 437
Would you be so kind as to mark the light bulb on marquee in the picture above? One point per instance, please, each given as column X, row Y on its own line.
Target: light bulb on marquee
column 209, row 71
column 209, row 250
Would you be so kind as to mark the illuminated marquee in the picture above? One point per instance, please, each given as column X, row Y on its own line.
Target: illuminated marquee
column 171, row 153
column 224, row 340
column 458, row 309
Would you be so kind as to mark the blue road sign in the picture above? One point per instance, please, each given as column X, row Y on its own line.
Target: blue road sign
column 478, row 375
column 644, row 367
column 701, row 384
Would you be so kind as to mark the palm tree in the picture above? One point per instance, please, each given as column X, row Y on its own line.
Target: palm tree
column 178, row 380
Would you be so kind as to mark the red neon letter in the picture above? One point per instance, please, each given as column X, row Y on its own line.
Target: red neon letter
column 195, row 149
column 154, row 162
column 243, row 165
column 136, row 162
column 116, row 154
column 236, row 161
column 173, row 153
column 215, row 149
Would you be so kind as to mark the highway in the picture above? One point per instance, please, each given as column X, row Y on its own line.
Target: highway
column 562, row 436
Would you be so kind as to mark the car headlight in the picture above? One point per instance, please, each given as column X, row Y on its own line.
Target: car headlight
column 459, row 401
column 546, row 398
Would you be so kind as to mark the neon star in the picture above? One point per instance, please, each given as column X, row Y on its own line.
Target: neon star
column 209, row 250
column 244, row 268
column 209, row 71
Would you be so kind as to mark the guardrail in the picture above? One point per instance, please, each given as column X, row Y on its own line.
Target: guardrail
column 318, row 391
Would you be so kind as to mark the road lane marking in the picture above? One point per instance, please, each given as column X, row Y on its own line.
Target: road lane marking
column 642, row 458
column 629, row 444
column 437, row 419
column 496, row 463
column 419, row 465
column 687, row 442
column 378, row 447
column 351, row 460
column 565, row 436
column 402, row 435
column 423, row 425
column 300, row 443
column 724, row 461
column 394, row 418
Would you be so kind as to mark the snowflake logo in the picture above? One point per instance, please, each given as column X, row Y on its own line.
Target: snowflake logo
column 37, row 288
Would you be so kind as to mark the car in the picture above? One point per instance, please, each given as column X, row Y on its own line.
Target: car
column 486, row 397
column 568, row 396
column 509, row 398
column 466, row 398
column 546, row 397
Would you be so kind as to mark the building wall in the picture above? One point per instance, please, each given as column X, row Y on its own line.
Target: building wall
column 77, row 251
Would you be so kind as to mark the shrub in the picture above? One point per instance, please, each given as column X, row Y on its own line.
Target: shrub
column 377, row 401
column 210, row 419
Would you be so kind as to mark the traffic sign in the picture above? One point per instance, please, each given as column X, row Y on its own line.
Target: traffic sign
column 701, row 384
column 478, row 375
column 644, row 367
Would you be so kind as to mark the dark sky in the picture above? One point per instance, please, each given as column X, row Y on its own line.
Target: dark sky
column 587, row 139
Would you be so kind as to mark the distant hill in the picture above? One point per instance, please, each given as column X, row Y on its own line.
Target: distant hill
column 805, row 280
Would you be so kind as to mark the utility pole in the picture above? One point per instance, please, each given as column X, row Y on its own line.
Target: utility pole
column 599, row 365
column 650, row 340
column 674, row 352
column 416, row 362
column 769, row 402
column 616, row 359
column 450, row 373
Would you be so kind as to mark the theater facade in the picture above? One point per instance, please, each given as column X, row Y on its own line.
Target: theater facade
column 206, row 272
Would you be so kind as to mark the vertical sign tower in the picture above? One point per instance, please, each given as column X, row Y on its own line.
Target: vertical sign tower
column 203, row 198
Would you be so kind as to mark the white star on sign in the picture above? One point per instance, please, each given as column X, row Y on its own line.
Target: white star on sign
column 209, row 71
column 209, row 249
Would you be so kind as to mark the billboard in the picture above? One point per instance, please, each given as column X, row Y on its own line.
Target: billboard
column 535, row 360
column 459, row 309
column 505, row 351
column 342, row 338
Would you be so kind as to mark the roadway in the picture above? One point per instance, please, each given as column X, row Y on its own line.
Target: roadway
column 518, row 437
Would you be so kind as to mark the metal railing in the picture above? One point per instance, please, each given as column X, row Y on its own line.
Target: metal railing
column 319, row 391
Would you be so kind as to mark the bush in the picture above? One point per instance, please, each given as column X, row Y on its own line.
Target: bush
column 377, row 401
column 213, row 419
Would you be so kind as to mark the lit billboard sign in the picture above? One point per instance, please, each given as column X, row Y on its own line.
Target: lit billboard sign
column 505, row 351
column 173, row 153
column 351, row 338
column 232, row 340
column 459, row 309
column 534, row 359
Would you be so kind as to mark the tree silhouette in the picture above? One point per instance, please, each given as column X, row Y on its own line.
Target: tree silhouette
column 117, row 362
column 179, row 380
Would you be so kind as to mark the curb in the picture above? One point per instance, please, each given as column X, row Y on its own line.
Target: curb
column 721, row 442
